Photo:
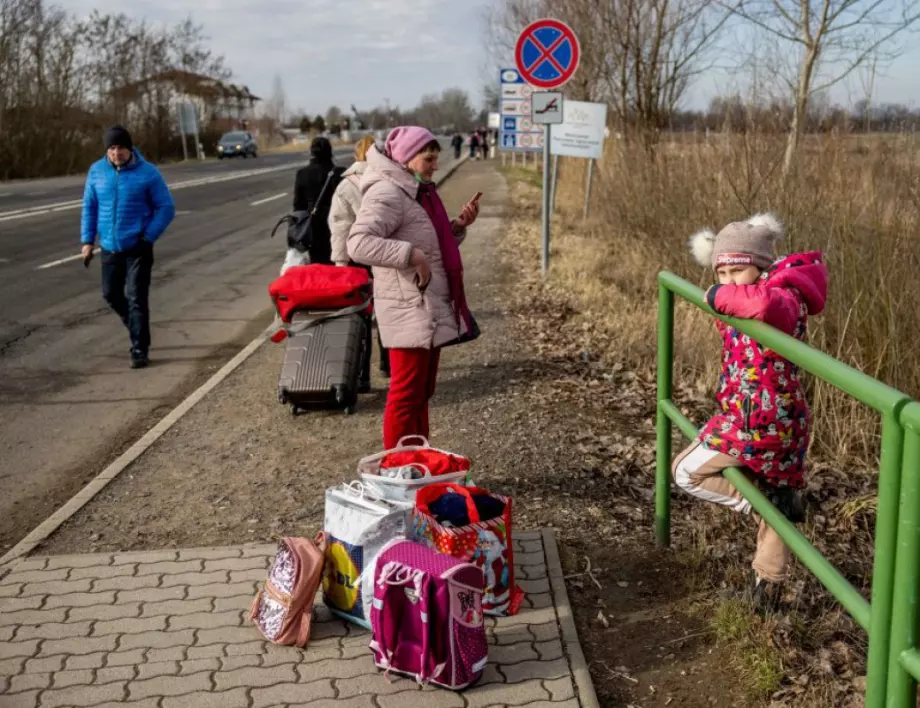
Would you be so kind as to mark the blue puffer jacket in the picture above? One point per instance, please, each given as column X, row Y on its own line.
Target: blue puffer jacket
column 123, row 205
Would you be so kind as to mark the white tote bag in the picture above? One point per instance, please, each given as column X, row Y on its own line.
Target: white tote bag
column 292, row 258
column 359, row 522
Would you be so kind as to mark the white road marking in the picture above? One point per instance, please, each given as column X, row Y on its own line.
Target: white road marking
column 269, row 199
column 4, row 260
column 77, row 203
column 77, row 257
column 183, row 212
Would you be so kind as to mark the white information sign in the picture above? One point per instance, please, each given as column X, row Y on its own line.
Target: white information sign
column 581, row 133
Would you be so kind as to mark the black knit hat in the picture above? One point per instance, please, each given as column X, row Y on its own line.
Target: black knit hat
column 117, row 135
column 321, row 150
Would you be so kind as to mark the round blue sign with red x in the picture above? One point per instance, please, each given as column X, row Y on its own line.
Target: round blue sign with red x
column 547, row 53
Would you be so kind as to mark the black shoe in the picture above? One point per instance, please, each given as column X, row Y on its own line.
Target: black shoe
column 765, row 594
column 139, row 360
column 789, row 501
column 364, row 387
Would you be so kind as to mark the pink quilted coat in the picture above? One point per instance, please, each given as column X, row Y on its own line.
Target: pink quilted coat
column 389, row 225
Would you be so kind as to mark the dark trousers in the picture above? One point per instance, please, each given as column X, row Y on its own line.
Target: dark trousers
column 126, row 287
column 368, row 345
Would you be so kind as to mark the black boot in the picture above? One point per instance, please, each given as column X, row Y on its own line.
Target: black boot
column 789, row 501
column 139, row 359
column 765, row 594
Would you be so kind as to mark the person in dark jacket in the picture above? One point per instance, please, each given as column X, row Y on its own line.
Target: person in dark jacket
column 457, row 144
column 308, row 185
column 127, row 204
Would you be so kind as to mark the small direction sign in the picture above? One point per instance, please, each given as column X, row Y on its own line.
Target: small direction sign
column 547, row 107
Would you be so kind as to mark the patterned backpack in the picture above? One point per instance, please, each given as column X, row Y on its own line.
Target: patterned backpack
column 283, row 609
column 427, row 616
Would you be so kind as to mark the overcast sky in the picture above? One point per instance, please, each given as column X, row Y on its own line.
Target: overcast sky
column 365, row 51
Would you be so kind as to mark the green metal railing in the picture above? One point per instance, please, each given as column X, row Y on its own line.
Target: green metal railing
column 890, row 617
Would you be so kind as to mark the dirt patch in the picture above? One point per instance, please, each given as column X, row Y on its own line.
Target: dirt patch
column 567, row 437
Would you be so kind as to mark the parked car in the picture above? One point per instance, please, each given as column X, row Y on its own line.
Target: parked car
column 237, row 143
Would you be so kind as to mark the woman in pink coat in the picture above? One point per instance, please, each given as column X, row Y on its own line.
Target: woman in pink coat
column 763, row 419
column 403, row 231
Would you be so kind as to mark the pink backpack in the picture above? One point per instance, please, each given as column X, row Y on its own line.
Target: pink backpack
column 283, row 609
column 427, row 616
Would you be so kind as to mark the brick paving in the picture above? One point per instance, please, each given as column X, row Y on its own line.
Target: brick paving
column 171, row 629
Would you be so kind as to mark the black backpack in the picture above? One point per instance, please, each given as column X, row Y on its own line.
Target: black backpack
column 300, row 223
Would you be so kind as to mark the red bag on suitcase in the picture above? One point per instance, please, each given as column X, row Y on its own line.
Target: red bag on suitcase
column 487, row 544
column 319, row 287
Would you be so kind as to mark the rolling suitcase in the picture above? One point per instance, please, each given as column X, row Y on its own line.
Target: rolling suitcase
column 325, row 312
column 323, row 361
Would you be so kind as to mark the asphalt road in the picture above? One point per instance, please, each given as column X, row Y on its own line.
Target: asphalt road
column 69, row 403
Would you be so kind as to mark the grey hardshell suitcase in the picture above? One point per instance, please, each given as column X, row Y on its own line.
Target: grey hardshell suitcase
column 323, row 360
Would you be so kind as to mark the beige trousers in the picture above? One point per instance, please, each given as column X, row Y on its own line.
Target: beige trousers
column 698, row 471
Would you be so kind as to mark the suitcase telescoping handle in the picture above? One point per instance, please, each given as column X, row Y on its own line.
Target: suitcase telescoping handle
column 287, row 330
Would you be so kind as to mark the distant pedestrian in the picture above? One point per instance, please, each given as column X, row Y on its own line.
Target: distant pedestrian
column 457, row 144
column 474, row 146
column 308, row 186
column 484, row 143
column 127, row 204
column 346, row 202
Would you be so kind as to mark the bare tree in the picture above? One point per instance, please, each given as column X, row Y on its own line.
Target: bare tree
column 334, row 117
column 276, row 106
column 64, row 80
column 831, row 38
column 867, row 80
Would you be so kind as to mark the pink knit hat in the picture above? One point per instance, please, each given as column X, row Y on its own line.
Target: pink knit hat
column 748, row 242
column 407, row 141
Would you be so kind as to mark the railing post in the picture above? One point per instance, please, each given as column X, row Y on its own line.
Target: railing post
column 886, row 533
column 902, row 688
column 663, row 423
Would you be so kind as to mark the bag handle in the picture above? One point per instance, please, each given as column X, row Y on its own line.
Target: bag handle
column 366, row 464
column 322, row 192
column 349, row 496
column 287, row 330
column 287, row 218
column 320, row 542
column 403, row 441
column 359, row 489
column 428, row 494
column 391, row 569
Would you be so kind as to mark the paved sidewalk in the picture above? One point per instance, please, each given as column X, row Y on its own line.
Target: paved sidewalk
column 171, row 629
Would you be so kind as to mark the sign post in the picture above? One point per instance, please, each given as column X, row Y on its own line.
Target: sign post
column 546, row 55
column 188, row 125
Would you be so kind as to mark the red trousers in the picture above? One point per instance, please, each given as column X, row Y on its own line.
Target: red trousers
column 413, row 373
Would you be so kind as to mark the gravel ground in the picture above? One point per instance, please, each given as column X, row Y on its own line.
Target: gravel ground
column 567, row 439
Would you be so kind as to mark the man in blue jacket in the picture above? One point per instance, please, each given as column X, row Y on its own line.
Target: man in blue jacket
column 127, row 203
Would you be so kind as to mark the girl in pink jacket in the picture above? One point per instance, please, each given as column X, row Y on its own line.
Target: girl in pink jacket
column 763, row 419
column 403, row 231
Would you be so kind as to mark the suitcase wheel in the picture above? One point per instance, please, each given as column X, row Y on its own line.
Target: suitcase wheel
column 350, row 410
column 341, row 395
column 295, row 410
